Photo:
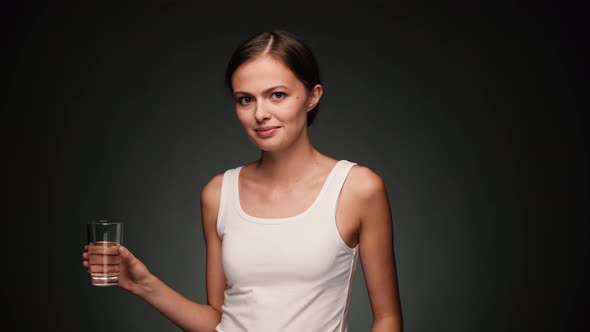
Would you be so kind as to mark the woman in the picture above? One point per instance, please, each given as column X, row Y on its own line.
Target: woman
column 284, row 234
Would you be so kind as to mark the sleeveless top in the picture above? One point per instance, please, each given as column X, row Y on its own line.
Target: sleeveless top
column 290, row 274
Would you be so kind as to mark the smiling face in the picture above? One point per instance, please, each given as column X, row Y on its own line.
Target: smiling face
column 272, row 103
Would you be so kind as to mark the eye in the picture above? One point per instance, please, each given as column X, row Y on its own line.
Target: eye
column 245, row 100
column 279, row 95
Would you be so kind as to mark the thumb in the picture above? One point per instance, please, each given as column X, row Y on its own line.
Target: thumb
column 125, row 254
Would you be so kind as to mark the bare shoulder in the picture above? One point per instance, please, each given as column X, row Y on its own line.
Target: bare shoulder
column 364, row 183
column 210, row 198
column 211, row 191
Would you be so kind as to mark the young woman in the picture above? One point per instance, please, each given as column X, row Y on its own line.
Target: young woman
column 284, row 234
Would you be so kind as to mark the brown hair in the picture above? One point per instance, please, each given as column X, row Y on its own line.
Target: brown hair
column 284, row 46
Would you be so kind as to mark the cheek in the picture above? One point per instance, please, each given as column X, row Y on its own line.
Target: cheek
column 295, row 111
column 242, row 117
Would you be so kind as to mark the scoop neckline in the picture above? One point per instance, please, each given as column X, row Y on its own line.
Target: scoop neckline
column 275, row 221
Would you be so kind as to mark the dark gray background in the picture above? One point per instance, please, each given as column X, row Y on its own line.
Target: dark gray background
column 471, row 114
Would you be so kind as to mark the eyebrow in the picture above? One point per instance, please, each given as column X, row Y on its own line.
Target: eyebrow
column 263, row 92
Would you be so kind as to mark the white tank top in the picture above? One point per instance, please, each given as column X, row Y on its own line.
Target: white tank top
column 288, row 274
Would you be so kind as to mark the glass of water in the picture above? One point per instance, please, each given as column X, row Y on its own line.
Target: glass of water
column 104, row 239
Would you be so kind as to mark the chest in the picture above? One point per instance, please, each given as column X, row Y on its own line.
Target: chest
column 255, row 254
column 278, row 202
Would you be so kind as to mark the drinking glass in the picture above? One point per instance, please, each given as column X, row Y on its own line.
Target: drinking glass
column 104, row 239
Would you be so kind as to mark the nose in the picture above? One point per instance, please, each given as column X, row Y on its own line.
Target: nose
column 261, row 112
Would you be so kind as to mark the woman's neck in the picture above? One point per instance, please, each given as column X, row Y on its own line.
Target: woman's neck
column 289, row 165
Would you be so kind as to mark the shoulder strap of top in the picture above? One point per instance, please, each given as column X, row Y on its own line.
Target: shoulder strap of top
column 341, row 171
column 226, row 197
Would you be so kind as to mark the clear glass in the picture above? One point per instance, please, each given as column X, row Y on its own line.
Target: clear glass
column 104, row 239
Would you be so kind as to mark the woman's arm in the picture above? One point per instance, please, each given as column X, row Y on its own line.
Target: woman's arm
column 215, row 276
column 186, row 314
column 376, row 249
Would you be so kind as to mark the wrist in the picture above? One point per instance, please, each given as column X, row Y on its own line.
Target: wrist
column 146, row 286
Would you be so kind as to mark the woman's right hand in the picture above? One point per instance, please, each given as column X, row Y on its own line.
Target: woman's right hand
column 133, row 276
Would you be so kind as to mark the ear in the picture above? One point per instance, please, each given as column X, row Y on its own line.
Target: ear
column 314, row 96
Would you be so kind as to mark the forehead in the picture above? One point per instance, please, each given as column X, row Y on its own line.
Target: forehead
column 261, row 73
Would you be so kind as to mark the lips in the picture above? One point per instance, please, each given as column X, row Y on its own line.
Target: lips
column 266, row 131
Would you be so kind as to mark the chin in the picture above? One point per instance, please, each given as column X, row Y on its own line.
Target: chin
column 267, row 146
column 270, row 144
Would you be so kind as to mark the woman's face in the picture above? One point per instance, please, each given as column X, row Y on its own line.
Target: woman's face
column 272, row 103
